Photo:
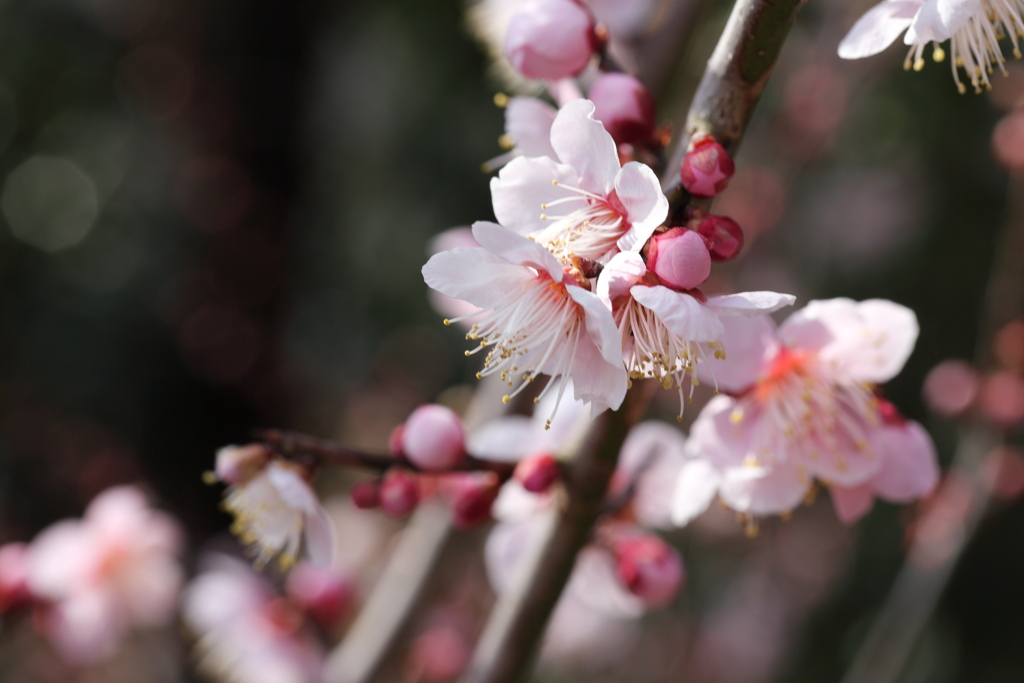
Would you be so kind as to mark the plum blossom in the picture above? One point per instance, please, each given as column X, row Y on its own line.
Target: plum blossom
column 664, row 332
column 527, row 130
column 550, row 39
column 973, row 27
column 245, row 633
column 537, row 318
column 584, row 203
column 805, row 409
column 276, row 509
column 93, row 579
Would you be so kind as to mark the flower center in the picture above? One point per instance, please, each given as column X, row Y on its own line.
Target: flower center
column 533, row 329
column 651, row 350
column 591, row 227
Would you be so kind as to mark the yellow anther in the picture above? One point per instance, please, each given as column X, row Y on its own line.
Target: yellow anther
column 918, row 64
column 447, row 321
column 536, row 400
column 479, row 375
column 736, row 416
column 543, row 217
column 468, row 353
column 962, row 88
column 209, row 478
column 506, row 142
column 501, row 99
column 938, row 54
column 554, row 182
column 506, row 398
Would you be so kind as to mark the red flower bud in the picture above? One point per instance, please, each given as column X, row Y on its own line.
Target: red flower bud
column 473, row 497
column 322, row 592
column 624, row 106
column 537, row 473
column 706, row 168
column 723, row 236
column 679, row 258
column 366, row 494
column 14, row 591
column 650, row 568
column 399, row 492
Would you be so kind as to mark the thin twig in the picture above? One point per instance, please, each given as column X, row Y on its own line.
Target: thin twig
column 317, row 452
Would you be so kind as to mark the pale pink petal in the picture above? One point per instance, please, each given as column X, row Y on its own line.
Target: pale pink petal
column 583, row 143
column 718, row 436
column 569, row 421
column 653, row 454
column 452, row 238
column 514, row 503
column 649, row 442
column 750, row 343
column 319, row 537
column 749, row 303
column 840, row 461
column 639, row 190
column 595, row 380
column 938, row 20
column 600, row 325
column 595, row 583
column 56, row 558
column 619, row 276
column 805, row 330
column 878, row 28
column 292, row 488
column 761, row 491
column 516, row 249
column 85, row 628
column 473, row 275
column 528, row 121
column 681, row 313
column 910, row 467
column 507, row 546
column 852, row 503
column 523, row 186
column 506, row 439
column 695, row 488
column 148, row 590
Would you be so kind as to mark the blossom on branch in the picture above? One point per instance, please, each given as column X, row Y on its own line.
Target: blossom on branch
column 804, row 409
column 584, row 203
column 537, row 317
column 666, row 332
column 972, row 27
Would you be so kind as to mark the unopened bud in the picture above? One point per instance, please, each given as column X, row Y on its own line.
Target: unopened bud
column 890, row 414
column 236, row 464
column 440, row 654
column 322, row 592
column 14, row 591
column 680, row 258
column 473, row 497
column 395, row 440
column 399, row 492
column 366, row 494
column 706, row 168
column 433, row 438
column 723, row 236
column 650, row 568
column 550, row 39
column 625, row 107
column 536, row 473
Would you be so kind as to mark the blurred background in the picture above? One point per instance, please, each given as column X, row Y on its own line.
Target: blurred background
column 212, row 220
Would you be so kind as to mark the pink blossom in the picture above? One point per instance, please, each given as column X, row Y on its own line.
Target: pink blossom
column 664, row 332
column 550, row 39
column 528, row 123
column 623, row 104
column 235, row 464
column 602, row 207
column 98, row 577
column 972, row 27
column 806, row 409
column 951, row 387
column 446, row 305
column 276, row 510
column 706, row 168
column 538, row 319
column 244, row 632
column 433, row 438
column 324, row 593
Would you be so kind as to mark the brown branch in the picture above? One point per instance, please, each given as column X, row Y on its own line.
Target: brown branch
column 318, row 452
column 518, row 620
column 734, row 79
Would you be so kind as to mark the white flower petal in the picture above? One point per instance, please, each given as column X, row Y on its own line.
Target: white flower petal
column 523, row 186
column 516, row 249
column 878, row 28
column 473, row 275
column 619, row 276
column 750, row 343
column 639, row 190
column 715, row 437
column 319, row 537
column 761, row 491
column 528, row 121
column 749, row 303
column 938, row 20
column 600, row 324
column 583, row 143
column 681, row 313
column 696, row 487
column 506, row 439
column 595, row 380
column 910, row 467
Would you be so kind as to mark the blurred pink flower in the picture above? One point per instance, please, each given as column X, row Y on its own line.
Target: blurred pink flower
column 275, row 510
column 806, row 410
column 527, row 131
column 97, row 577
column 540, row 320
column 245, row 633
column 611, row 207
column 951, row 387
column 550, row 39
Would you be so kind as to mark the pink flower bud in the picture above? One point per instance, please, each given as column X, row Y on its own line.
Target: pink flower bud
column 624, row 106
column 706, row 168
column 440, row 654
column 537, row 473
column 236, row 464
column 395, row 440
column 14, row 591
column 433, row 438
column 723, row 236
column 366, row 494
column 951, row 387
column 473, row 497
column 679, row 258
column 399, row 492
column 650, row 568
column 322, row 592
column 550, row 39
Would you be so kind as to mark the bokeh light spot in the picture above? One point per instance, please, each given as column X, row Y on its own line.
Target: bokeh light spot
column 49, row 202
